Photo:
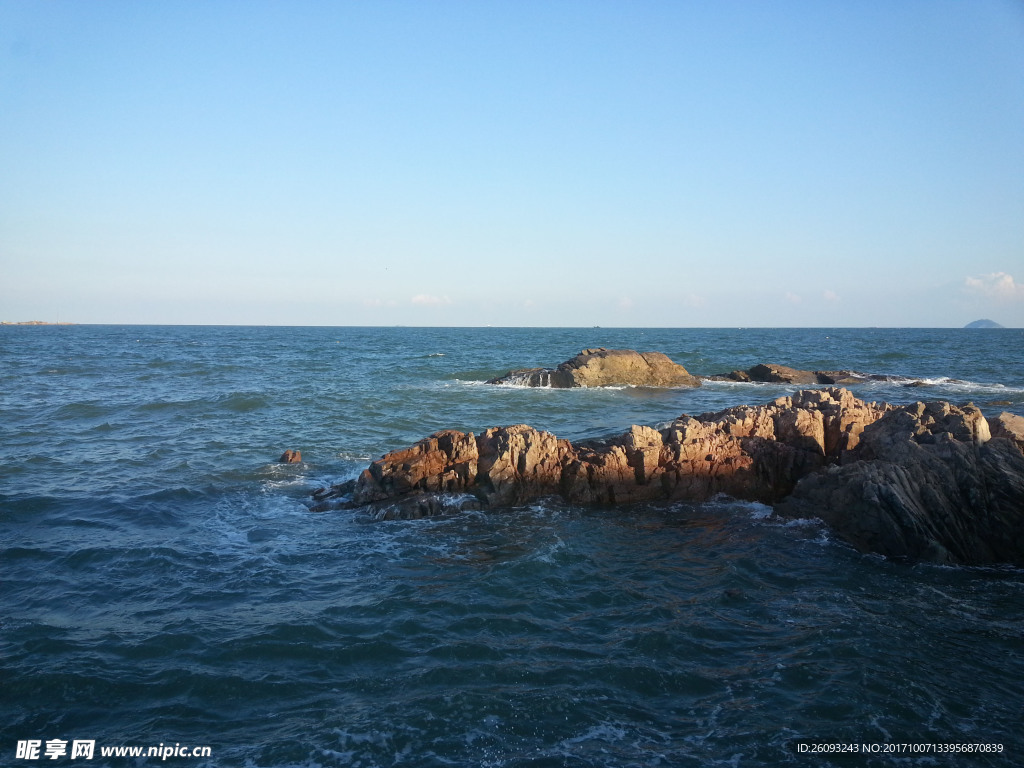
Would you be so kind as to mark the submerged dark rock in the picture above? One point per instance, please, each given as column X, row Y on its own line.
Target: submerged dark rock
column 770, row 373
column 602, row 367
column 925, row 481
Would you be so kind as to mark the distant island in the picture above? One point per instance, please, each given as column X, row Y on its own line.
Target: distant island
column 32, row 322
column 984, row 324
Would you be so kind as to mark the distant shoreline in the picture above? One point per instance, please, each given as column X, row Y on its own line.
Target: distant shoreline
column 32, row 322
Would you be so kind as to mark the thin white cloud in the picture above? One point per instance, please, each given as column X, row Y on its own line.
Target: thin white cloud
column 830, row 296
column 694, row 300
column 793, row 298
column 625, row 303
column 996, row 285
column 429, row 300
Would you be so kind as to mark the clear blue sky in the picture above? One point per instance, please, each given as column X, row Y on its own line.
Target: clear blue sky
column 816, row 163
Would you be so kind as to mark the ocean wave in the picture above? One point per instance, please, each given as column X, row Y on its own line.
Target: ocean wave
column 279, row 482
column 161, row 406
column 521, row 385
column 959, row 385
column 85, row 410
column 243, row 402
column 237, row 402
column 359, row 456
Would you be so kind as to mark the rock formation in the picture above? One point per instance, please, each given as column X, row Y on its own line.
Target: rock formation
column 755, row 453
column 933, row 482
column 602, row 367
column 1010, row 426
column 769, row 373
column 926, row 482
column 291, row 457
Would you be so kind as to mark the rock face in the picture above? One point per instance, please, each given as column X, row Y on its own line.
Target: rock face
column 602, row 367
column 926, row 482
column 1010, row 426
column 291, row 457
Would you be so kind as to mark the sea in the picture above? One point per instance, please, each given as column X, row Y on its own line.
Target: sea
column 164, row 584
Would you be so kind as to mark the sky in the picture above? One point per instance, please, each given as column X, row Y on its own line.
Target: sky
column 526, row 163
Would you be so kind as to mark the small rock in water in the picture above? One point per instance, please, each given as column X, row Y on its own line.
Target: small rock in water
column 600, row 367
column 291, row 457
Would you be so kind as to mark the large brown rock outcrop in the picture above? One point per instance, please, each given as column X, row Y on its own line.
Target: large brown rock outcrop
column 756, row 453
column 929, row 481
column 602, row 367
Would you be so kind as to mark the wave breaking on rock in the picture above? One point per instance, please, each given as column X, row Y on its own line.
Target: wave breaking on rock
column 600, row 367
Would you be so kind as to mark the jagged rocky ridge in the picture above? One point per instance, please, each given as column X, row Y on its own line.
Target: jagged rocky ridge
column 922, row 481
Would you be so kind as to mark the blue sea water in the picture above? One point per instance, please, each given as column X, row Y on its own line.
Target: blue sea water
column 164, row 582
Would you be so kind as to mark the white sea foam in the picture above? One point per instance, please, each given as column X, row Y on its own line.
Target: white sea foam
column 523, row 383
column 938, row 384
column 756, row 510
column 360, row 456
column 609, row 732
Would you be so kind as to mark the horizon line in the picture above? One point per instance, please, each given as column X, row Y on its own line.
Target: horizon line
column 65, row 323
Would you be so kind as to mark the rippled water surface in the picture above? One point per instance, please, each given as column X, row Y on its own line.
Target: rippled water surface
column 164, row 582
